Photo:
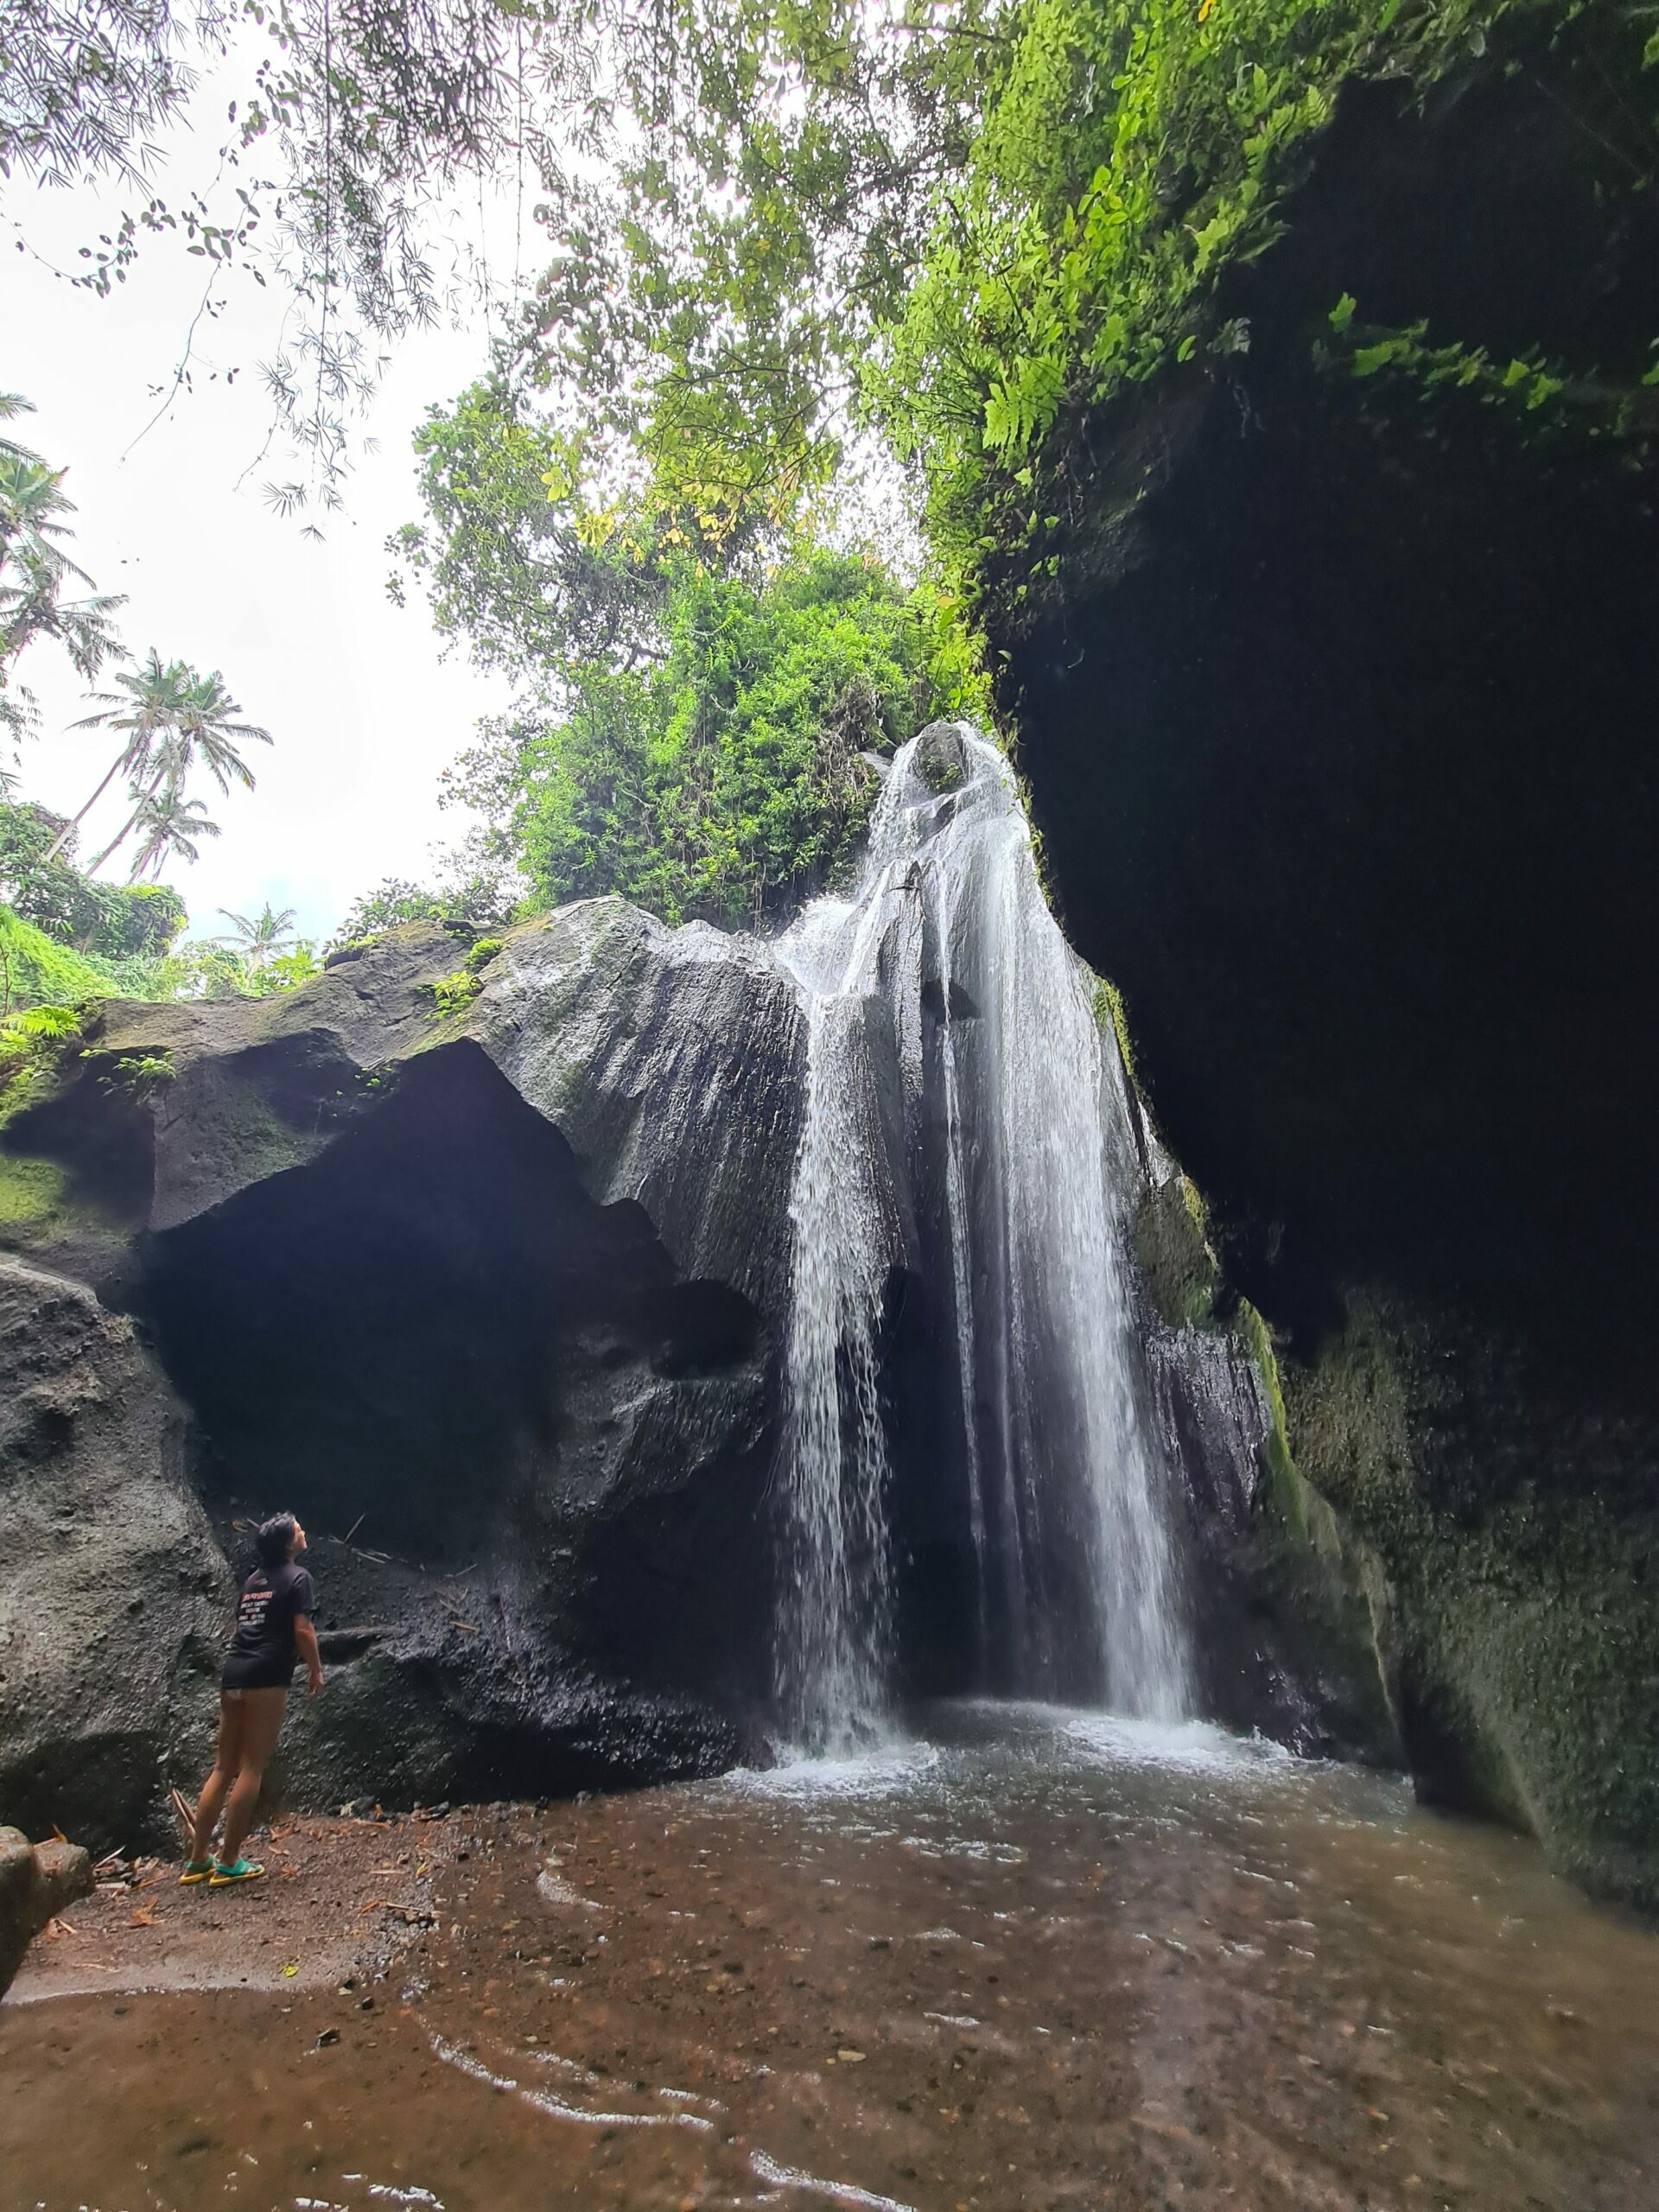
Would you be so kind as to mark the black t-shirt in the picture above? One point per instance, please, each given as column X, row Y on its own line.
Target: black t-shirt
column 262, row 1651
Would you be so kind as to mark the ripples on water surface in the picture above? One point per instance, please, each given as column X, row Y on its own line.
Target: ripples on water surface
column 1042, row 1959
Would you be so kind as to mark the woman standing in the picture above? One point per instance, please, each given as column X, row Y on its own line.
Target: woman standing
column 273, row 1629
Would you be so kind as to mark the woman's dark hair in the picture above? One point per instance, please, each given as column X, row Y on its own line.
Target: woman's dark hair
column 272, row 1538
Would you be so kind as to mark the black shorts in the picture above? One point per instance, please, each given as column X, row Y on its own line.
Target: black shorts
column 247, row 1670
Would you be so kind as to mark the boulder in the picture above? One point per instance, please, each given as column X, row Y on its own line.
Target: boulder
column 112, row 1588
column 36, row 1881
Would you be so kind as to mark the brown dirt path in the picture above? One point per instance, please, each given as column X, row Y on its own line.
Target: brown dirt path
column 340, row 1898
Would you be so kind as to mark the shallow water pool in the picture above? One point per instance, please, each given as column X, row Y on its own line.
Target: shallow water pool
column 1036, row 1959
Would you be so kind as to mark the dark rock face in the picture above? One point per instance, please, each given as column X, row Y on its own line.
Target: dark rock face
column 111, row 1586
column 484, row 1295
column 36, row 1881
column 1288, row 1628
column 1345, row 777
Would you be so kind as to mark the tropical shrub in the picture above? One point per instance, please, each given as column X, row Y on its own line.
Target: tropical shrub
column 722, row 777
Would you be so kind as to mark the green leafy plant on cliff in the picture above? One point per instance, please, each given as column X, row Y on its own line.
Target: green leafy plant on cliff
column 452, row 994
column 1068, row 190
column 139, row 1077
column 1111, row 1014
column 32, row 1046
column 970, row 231
column 1540, row 398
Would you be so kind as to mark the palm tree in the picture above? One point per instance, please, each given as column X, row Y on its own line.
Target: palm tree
column 207, row 729
column 155, row 699
column 192, row 718
column 35, row 569
column 259, row 936
column 12, row 405
column 168, row 823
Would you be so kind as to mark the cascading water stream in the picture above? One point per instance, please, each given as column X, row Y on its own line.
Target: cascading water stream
column 835, row 1630
column 943, row 995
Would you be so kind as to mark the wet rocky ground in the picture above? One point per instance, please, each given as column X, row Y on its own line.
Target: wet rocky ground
column 1038, row 1962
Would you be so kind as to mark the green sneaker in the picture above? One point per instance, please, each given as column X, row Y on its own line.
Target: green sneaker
column 245, row 1869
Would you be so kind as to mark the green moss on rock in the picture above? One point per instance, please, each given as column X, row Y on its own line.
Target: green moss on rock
column 31, row 1194
column 1181, row 1270
column 47, row 1217
column 1109, row 1015
column 941, row 760
column 1525, row 1654
column 1315, row 1568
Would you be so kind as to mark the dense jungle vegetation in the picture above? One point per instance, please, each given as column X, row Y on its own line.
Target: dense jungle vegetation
column 790, row 252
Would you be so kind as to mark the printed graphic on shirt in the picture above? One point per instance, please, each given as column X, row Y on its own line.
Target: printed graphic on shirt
column 255, row 1604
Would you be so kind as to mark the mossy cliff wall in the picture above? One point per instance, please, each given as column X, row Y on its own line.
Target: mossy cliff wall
column 1516, row 1523
column 1317, row 1601
column 1469, row 1552
column 1344, row 766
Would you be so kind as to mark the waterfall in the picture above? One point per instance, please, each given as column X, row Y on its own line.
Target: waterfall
column 960, row 1095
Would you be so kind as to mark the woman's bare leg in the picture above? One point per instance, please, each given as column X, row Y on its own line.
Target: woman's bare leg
column 262, row 1723
column 227, row 1759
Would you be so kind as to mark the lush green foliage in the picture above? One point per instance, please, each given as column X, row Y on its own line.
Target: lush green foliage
column 976, row 221
column 106, row 920
column 91, row 939
column 208, row 969
column 477, row 901
column 32, row 1044
column 38, row 969
column 1134, row 151
column 1066, row 186
column 696, row 700
column 35, row 970
column 722, row 774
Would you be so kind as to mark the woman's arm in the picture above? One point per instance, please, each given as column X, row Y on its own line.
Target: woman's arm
column 305, row 1643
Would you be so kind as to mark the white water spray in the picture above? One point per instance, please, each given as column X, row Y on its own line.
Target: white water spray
column 949, row 1024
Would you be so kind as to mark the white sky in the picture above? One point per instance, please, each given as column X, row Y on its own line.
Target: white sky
column 363, row 712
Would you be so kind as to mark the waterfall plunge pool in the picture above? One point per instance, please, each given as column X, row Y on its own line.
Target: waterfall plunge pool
column 1034, row 1958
